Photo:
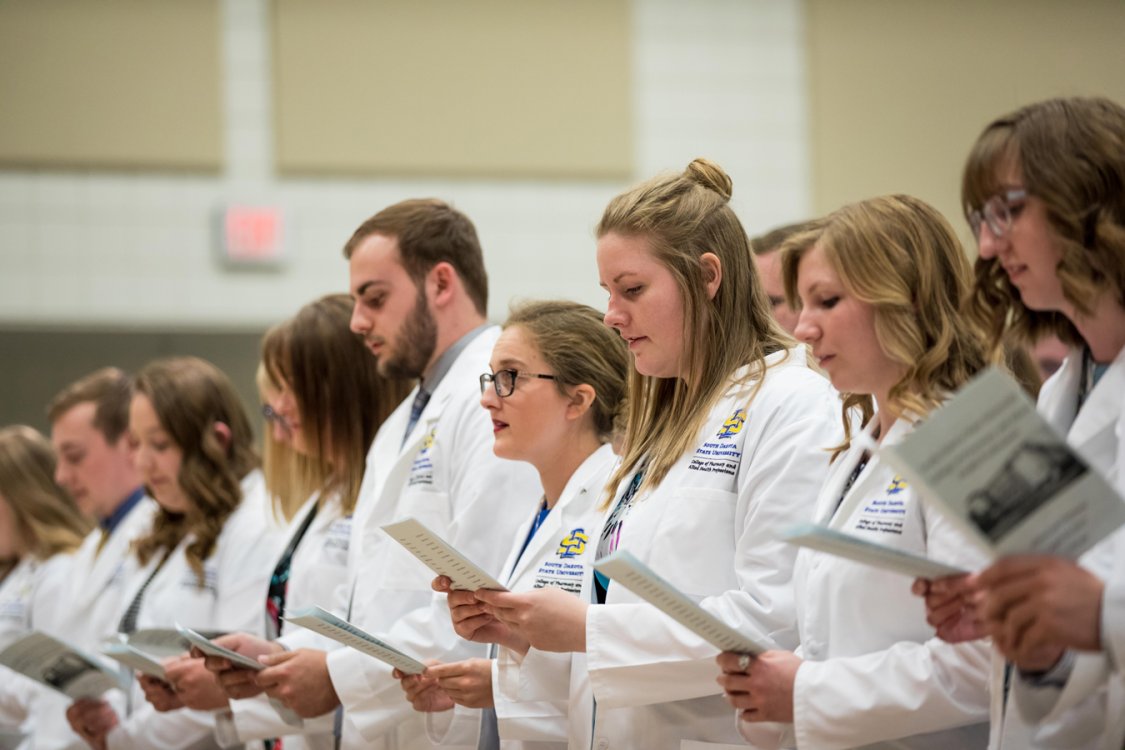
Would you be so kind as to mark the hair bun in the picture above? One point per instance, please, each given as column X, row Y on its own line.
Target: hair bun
column 711, row 176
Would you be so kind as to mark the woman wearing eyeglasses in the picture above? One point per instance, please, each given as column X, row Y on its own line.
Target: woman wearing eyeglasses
column 1044, row 190
column 554, row 394
column 324, row 402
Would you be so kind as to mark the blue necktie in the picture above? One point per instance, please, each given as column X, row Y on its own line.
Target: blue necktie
column 420, row 400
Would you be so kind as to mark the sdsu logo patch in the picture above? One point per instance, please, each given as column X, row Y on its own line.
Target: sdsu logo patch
column 733, row 425
column 897, row 485
column 422, row 470
column 573, row 544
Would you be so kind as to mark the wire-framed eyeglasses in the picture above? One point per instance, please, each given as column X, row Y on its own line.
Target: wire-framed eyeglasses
column 998, row 212
column 272, row 416
column 504, row 381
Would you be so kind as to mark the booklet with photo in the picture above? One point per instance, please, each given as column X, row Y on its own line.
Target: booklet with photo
column 1004, row 476
column 440, row 556
column 59, row 666
column 860, row 550
column 628, row 571
column 329, row 625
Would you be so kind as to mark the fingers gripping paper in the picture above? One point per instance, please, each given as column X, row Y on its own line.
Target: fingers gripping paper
column 440, row 556
column 634, row 575
column 342, row 631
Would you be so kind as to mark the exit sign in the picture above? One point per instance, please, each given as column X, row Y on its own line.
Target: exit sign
column 251, row 236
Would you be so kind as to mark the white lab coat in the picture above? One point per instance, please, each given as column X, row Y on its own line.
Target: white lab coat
column 874, row 674
column 445, row 475
column 318, row 567
column 1090, row 710
column 93, row 602
column 231, row 599
column 31, row 596
column 712, row 529
column 531, row 692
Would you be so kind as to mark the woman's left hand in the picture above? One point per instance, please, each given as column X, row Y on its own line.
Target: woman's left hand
column 195, row 686
column 468, row 683
column 549, row 618
column 763, row 689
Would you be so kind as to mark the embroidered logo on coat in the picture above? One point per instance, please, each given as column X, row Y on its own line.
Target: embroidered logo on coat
column 733, row 425
column 897, row 485
column 573, row 544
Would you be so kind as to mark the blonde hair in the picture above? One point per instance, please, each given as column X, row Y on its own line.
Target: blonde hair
column 287, row 473
column 341, row 397
column 578, row 347
column 190, row 397
column 1071, row 153
column 682, row 216
column 45, row 516
column 899, row 255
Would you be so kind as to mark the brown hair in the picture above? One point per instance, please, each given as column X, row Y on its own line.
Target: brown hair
column 190, row 396
column 428, row 232
column 108, row 389
column 773, row 239
column 341, row 397
column 899, row 255
column 682, row 216
column 1071, row 154
column 46, row 517
column 578, row 347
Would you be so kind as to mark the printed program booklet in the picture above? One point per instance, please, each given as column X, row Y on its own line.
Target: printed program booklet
column 439, row 556
column 634, row 575
column 59, row 666
column 859, row 550
column 145, row 650
column 329, row 625
column 1004, row 476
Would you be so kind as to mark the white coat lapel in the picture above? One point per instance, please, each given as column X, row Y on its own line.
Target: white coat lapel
column 1102, row 408
column 1058, row 401
column 870, row 477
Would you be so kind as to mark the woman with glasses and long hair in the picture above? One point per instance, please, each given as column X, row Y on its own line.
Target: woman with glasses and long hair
column 555, row 395
column 880, row 285
column 724, row 442
column 208, row 555
column 1044, row 193
column 324, row 402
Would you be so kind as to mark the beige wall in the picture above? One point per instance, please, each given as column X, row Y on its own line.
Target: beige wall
column 495, row 88
column 900, row 89
column 112, row 83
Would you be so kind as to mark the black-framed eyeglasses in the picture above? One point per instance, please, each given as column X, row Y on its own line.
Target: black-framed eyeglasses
column 272, row 416
column 998, row 211
column 504, row 381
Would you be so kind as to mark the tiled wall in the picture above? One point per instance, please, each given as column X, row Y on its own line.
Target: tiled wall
column 721, row 78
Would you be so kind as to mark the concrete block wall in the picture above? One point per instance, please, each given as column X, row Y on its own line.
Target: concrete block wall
column 720, row 78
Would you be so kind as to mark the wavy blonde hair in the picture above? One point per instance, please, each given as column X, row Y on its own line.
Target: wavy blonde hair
column 190, row 397
column 1071, row 154
column 682, row 216
column 899, row 255
column 44, row 514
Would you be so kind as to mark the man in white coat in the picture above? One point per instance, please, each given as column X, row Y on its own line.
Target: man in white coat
column 417, row 276
column 89, row 421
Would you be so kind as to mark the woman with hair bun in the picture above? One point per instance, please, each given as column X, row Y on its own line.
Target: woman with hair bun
column 725, row 431
column 880, row 285
column 208, row 556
